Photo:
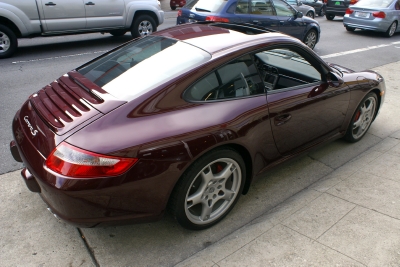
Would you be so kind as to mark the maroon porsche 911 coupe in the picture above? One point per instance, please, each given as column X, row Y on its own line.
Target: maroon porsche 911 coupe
column 183, row 120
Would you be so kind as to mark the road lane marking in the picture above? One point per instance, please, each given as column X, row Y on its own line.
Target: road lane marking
column 325, row 56
column 51, row 58
column 358, row 50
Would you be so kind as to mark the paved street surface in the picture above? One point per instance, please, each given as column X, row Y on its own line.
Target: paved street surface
column 337, row 206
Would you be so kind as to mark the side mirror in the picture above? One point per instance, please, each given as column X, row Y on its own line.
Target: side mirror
column 299, row 3
column 334, row 80
column 299, row 14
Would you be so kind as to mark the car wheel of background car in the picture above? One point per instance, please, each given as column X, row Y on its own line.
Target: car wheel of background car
column 350, row 29
column 173, row 7
column 310, row 14
column 329, row 16
column 8, row 42
column 391, row 30
column 118, row 32
column 143, row 25
column 209, row 189
column 362, row 118
column 310, row 39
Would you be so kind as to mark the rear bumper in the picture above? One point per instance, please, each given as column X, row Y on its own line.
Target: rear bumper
column 337, row 11
column 92, row 202
column 375, row 25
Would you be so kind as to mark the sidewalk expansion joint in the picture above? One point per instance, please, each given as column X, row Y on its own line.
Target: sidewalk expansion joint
column 89, row 249
column 315, row 240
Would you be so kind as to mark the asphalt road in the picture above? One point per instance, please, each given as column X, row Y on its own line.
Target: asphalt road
column 41, row 60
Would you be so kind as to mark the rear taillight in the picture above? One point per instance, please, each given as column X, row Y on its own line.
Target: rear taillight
column 215, row 18
column 353, row 2
column 179, row 12
column 349, row 11
column 379, row 14
column 71, row 161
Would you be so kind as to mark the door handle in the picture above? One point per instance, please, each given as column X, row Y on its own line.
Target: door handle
column 50, row 4
column 282, row 119
column 89, row 4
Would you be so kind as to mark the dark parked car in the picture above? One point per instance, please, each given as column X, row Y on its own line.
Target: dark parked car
column 337, row 8
column 271, row 14
column 318, row 5
column 176, row 3
column 110, row 142
column 305, row 9
column 374, row 15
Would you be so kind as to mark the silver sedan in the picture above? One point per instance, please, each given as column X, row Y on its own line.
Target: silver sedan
column 305, row 9
column 376, row 15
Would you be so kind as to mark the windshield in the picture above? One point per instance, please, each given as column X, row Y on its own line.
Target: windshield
column 374, row 3
column 212, row 6
column 142, row 65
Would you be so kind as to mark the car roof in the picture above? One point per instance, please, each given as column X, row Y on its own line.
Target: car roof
column 214, row 37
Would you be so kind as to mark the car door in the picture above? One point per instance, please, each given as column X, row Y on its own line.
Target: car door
column 239, row 12
column 263, row 14
column 303, row 108
column 104, row 13
column 289, row 23
column 62, row 15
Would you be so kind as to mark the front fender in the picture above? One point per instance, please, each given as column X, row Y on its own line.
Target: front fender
column 27, row 25
column 134, row 6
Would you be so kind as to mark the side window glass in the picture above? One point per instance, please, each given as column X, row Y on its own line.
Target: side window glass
column 262, row 7
column 242, row 7
column 238, row 78
column 284, row 68
column 283, row 8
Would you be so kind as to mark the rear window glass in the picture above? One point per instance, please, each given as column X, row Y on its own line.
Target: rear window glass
column 374, row 3
column 212, row 6
column 142, row 65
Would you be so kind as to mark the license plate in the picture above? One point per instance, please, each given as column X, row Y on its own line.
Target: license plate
column 192, row 20
column 338, row 3
column 362, row 14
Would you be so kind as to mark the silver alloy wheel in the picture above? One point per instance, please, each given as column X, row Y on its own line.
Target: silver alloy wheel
column 392, row 28
column 311, row 39
column 4, row 42
column 145, row 28
column 310, row 14
column 213, row 191
column 364, row 117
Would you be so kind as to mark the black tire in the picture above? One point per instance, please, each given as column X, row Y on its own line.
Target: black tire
column 311, row 38
column 118, row 33
column 215, row 195
column 350, row 29
column 173, row 7
column 310, row 14
column 362, row 118
column 329, row 16
column 143, row 25
column 391, row 30
column 8, row 42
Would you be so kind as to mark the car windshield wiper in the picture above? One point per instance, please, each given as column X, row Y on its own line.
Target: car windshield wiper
column 201, row 9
